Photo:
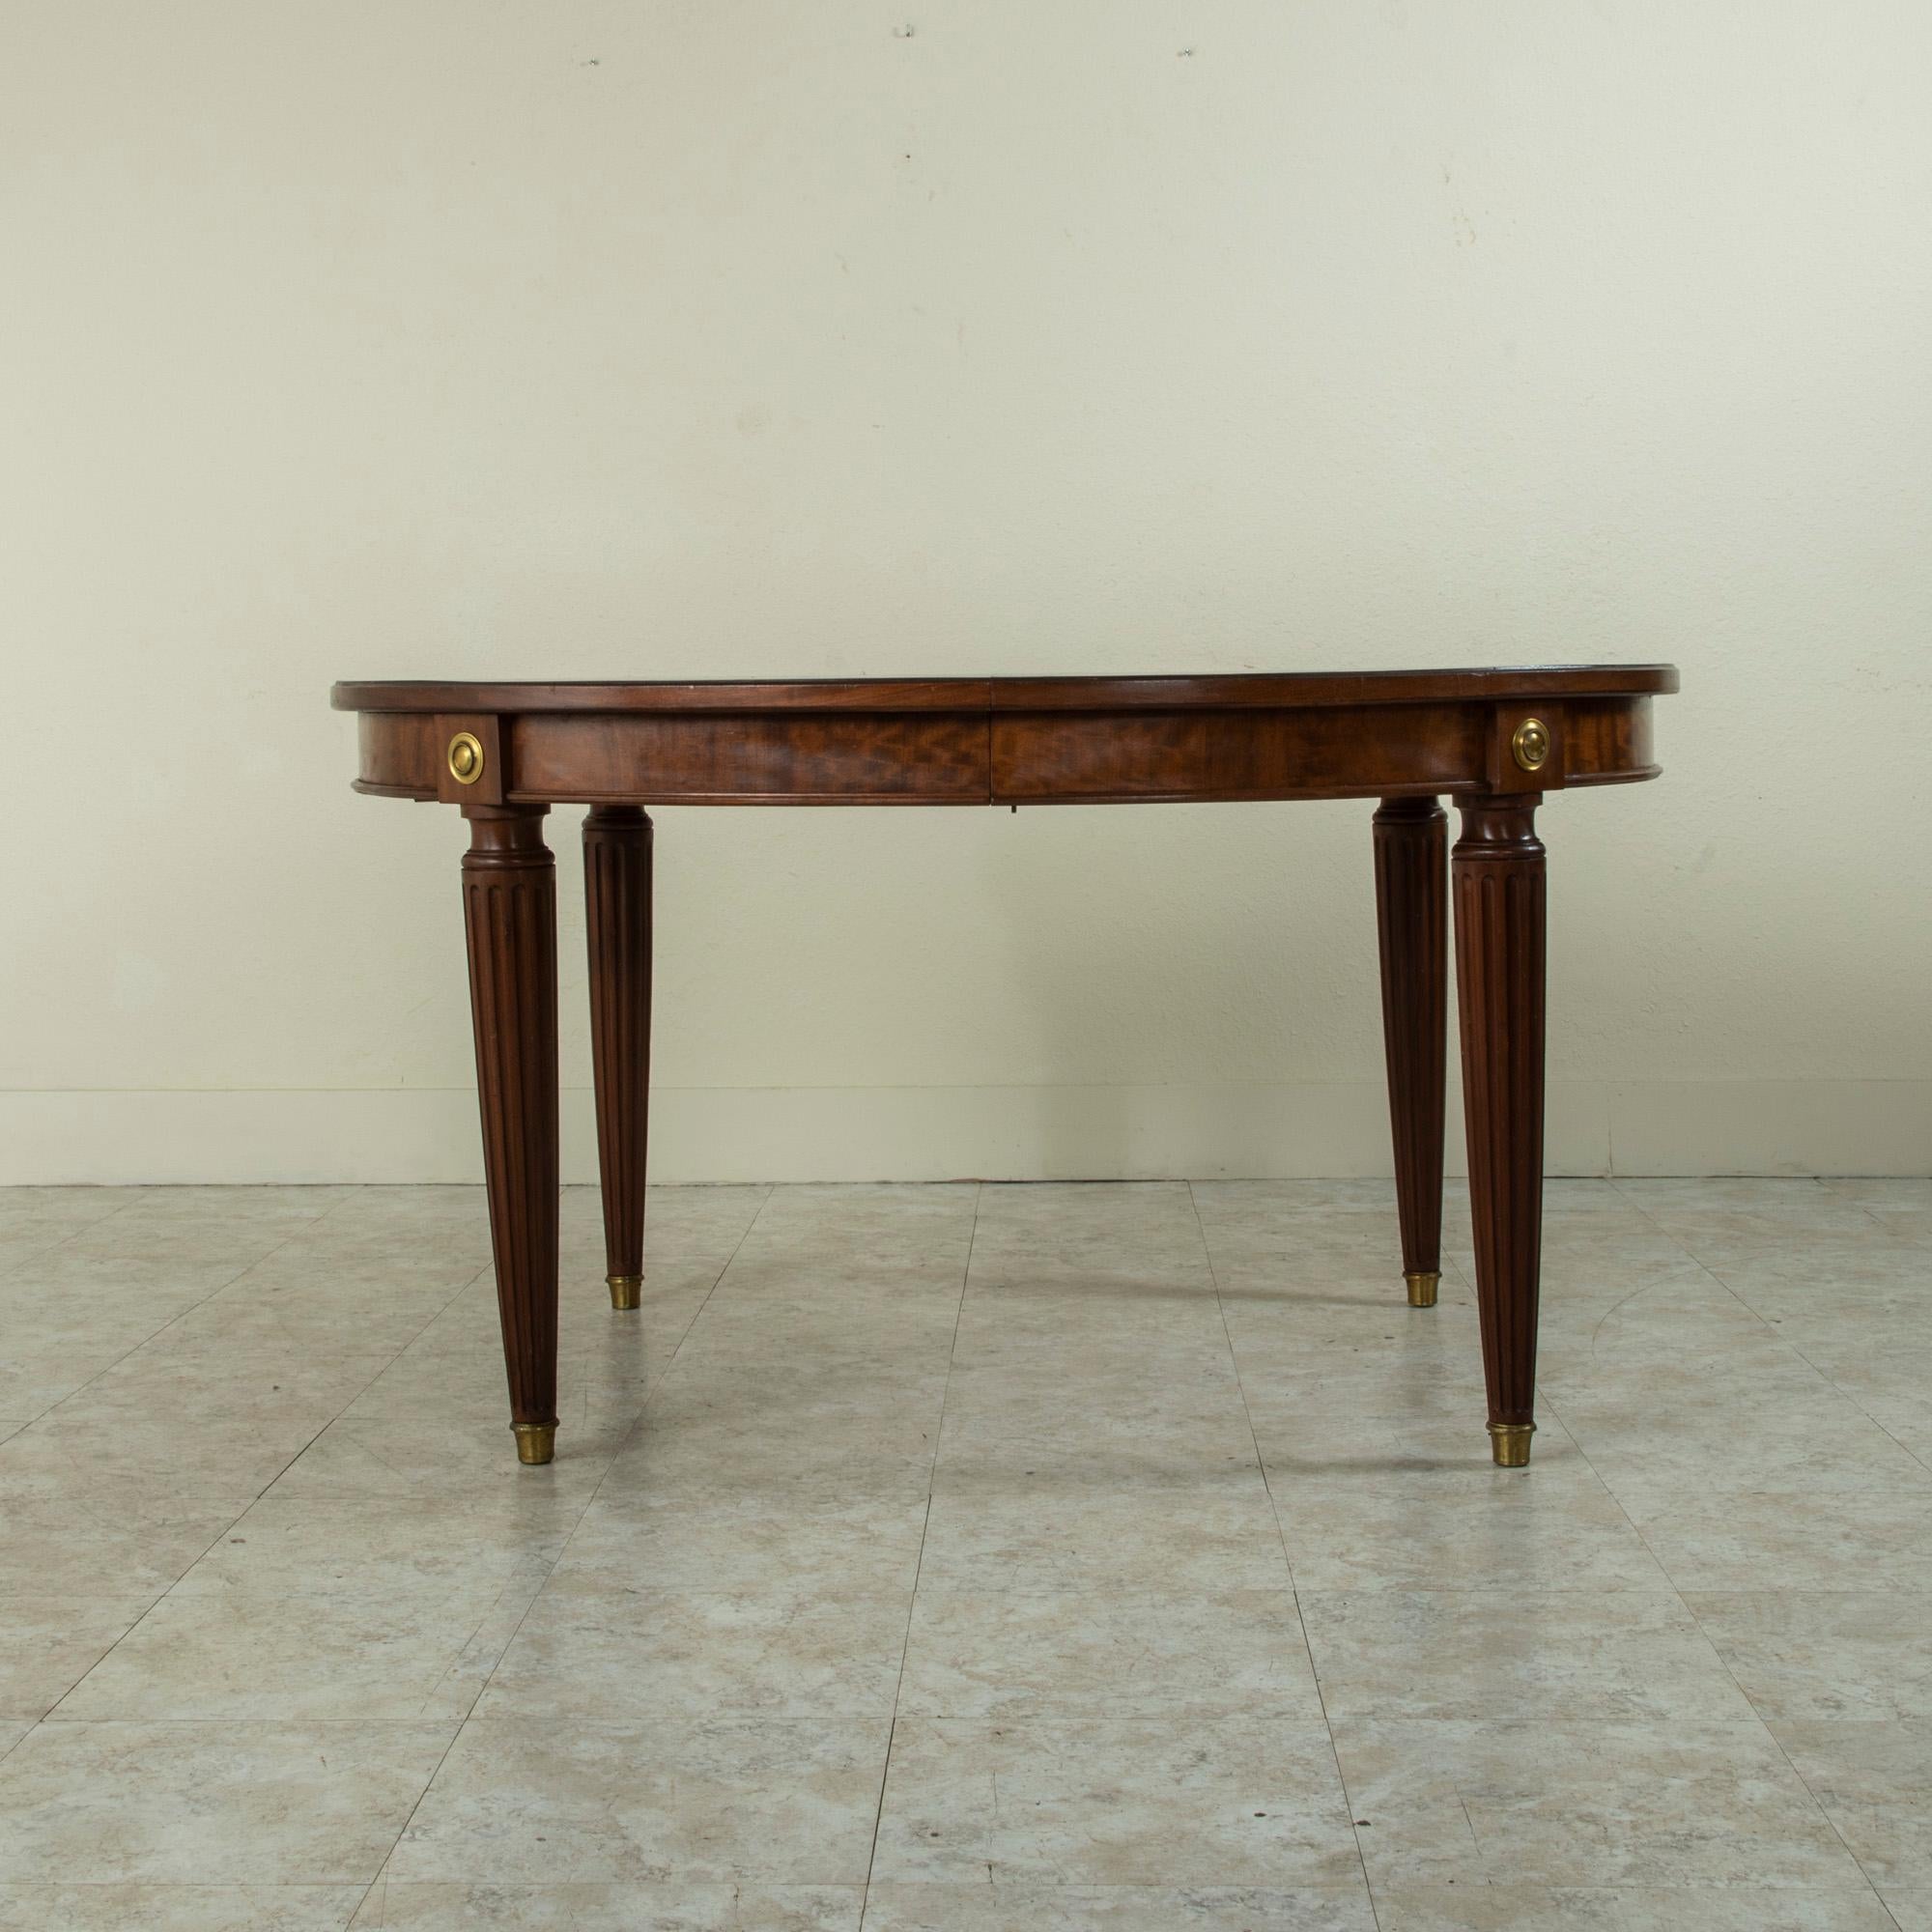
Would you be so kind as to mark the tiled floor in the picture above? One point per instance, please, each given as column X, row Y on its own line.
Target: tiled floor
column 957, row 1559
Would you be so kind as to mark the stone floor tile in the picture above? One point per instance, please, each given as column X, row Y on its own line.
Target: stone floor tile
column 1177, row 1801
column 1092, row 1402
column 612, row 1908
column 1047, row 1329
column 1509, row 1908
column 1344, row 1434
column 35, row 1220
column 247, row 1429
column 1392, row 1354
column 1548, row 1804
column 750, row 1603
column 313, row 1608
column 1783, row 1272
column 597, row 1345
column 1657, row 1325
column 750, row 1543
column 1767, row 1201
column 1906, row 1418
column 1470, row 1528
column 1849, row 1293
column 179, row 1237
column 198, row 1803
column 223, row 1206
column 1088, row 1655
column 78, row 1569
column 594, row 1650
column 1108, row 1430
column 828, row 1434
column 1879, row 1192
column 66, row 1318
column 1825, row 1653
column 179, row 1908
column 732, row 1799
column 1082, row 1235
column 1065, row 1529
column 1877, row 1539
column 1875, row 1781
column 453, row 1445
column 1028, row 1906
column 677, row 1220
column 885, row 1327
column 1118, row 1461
column 919, row 1237
column 383, row 1300
column 1702, row 1430
column 1881, row 1361
column 1565, row 1656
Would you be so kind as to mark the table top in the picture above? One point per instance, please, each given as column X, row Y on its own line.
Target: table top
column 1008, row 740
column 1209, row 691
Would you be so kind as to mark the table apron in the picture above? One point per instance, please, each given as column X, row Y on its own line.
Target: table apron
column 1014, row 756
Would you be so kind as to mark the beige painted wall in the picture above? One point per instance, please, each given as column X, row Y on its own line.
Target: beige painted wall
column 776, row 338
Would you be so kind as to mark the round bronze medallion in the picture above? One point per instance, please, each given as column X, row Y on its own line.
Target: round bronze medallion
column 465, row 757
column 1531, row 744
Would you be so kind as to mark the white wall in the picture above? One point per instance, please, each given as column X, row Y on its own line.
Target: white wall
column 575, row 339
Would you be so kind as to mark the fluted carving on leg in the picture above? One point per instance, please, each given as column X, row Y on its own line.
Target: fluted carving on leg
column 1501, row 899
column 1412, row 926
column 617, row 922
column 509, row 906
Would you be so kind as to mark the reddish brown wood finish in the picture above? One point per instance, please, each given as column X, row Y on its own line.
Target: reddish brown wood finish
column 509, row 911
column 1268, row 689
column 1498, row 871
column 617, row 923
column 1412, row 926
column 1405, row 737
column 1013, row 741
column 1058, row 757
column 785, row 758
column 486, row 786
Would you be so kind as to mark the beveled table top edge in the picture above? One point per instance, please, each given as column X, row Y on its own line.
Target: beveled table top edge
column 1212, row 691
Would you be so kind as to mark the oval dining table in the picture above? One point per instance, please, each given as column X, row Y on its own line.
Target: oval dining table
column 1493, row 740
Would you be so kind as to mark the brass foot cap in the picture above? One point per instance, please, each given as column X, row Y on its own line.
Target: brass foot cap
column 1509, row 1443
column 1422, row 1290
column 626, row 1290
column 536, row 1441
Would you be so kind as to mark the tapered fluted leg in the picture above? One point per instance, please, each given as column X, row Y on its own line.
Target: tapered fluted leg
column 509, row 908
column 1499, row 883
column 617, row 905
column 1412, row 924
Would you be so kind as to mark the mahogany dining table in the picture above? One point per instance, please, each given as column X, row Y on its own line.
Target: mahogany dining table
column 1493, row 740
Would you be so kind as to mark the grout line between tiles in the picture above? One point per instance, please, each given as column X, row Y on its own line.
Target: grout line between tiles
column 54, row 1709
column 1690, row 1608
column 179, row 1314
column 430, row 1322
column 919, row 1564
column 1288, row 1561
column 1763, row 1721
column 227, row 1529
column 20, row 1262
column 1839, row 1389
column 373, row 1898
column 383, row 1869
column 1770, row 1328
column 657, row 1382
